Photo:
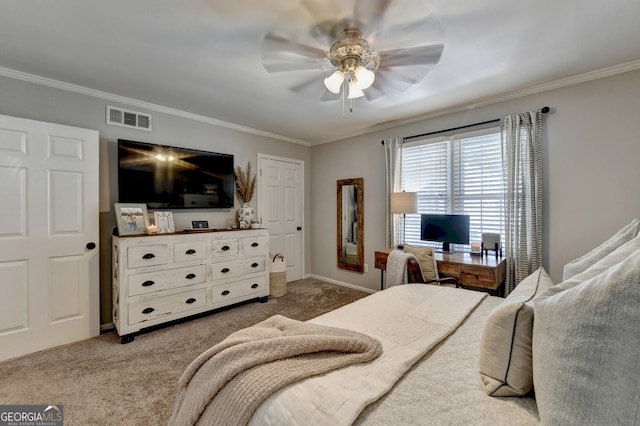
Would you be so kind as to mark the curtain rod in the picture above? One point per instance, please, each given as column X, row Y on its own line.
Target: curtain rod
column 544, row 110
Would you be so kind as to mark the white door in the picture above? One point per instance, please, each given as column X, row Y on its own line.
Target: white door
column 49, row 266
column 281, row 209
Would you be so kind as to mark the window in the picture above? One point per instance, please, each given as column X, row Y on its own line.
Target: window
column 458, row 174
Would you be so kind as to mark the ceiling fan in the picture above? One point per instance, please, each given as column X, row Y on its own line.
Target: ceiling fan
column 362, row 48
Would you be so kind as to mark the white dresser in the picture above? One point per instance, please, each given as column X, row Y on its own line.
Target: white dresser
column 162, row 278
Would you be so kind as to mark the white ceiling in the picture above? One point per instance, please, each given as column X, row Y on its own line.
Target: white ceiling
column 204, row 57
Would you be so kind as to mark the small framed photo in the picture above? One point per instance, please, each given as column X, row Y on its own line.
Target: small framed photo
column 200, row 224
column 132, row 219
column 164, row 222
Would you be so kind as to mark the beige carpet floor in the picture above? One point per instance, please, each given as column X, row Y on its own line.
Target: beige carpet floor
column 101, row 382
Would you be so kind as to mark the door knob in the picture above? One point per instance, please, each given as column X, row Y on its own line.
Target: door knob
column 91, row 246
column 299, row 228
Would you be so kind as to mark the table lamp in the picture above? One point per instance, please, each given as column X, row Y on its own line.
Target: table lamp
column 403, row 203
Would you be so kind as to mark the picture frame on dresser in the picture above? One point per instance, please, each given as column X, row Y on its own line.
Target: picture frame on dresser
column 132, row 218
column 164, row 222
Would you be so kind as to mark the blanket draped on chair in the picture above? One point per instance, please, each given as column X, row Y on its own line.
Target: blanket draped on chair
column 228, row 382
column 397, row 268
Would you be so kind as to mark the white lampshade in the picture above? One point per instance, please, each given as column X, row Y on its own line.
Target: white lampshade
column 364, row 77
column 404, row 202
column 354, row 90
column 333, row 83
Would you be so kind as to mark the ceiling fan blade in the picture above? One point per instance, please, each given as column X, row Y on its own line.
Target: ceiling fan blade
column 419, row 55
column 275, row 43
column 374, row 92
column 388, row 78
column 275, row 67
column 314, row 88
column 280, row 54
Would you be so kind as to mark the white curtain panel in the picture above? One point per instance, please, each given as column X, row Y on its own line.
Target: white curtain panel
column 522, row 159
column 393, row 166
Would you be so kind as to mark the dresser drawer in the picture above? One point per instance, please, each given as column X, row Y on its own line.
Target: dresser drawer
column 474, row 276
column 254, row 245
column 227, row 247
column 149, row 255
column 253, row 264
column 146, row 310
column 234, row 268
column 242, row 289
column 186, row 251
column 162, row 280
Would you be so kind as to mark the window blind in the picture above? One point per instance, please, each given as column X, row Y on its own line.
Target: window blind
column 458, row 174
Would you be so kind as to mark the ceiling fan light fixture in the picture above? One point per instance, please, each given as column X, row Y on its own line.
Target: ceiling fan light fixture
column 354, row 90
column 333, row 83
column 364, row 77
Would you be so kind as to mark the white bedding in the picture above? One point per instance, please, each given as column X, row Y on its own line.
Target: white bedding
column 444, row 388
column 409, row 320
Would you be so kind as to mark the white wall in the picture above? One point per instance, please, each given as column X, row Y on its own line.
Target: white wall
column 590, row 177
column 38, row 102
column 591, row 173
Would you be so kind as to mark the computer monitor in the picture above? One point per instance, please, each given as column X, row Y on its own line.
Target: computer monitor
column 445, row 228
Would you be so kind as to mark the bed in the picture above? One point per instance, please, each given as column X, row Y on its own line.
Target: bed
column 451, row 356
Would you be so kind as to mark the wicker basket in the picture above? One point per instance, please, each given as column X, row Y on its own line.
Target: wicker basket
column 277, row 276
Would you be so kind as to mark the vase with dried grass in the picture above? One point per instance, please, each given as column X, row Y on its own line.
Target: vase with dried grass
column 245, row 188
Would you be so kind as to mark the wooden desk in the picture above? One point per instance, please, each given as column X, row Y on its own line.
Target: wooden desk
column 477, row 272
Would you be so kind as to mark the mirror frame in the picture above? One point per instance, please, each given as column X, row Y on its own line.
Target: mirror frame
column 359, row 184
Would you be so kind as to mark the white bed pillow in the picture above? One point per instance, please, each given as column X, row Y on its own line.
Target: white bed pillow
column 616, row 256
column 586, row 338
column 583, row 262
column 505, row 346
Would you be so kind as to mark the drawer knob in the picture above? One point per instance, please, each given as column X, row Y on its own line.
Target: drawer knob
column 255, row 265
column 149, row 256
column 225, row 248
column 190, row 276
column 190, row 251
column 191, row 300
column 255, row 245
column 224, row 270
column 147, row 310
column 226, row 292
column 254, row 285
column 148, row 283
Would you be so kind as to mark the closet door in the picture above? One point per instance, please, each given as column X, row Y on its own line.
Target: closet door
column 49, row 263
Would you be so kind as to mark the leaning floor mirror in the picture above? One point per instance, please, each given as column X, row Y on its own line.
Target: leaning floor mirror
column 350, row 224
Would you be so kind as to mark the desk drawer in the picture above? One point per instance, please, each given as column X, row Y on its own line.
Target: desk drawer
column 447, row 269
column 478, row 277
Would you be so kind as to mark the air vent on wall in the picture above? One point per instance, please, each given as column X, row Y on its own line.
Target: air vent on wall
column 125, row 118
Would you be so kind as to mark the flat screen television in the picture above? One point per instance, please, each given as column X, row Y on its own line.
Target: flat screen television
column 445, row 228
column 168, row 177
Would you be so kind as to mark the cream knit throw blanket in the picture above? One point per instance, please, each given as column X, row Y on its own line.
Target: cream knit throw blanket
column 228, row 382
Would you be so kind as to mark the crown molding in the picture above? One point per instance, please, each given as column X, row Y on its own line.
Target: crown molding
column 540, row 88
column 56, row 84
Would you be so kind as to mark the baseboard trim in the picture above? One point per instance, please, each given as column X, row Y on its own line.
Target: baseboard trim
column 342, row 283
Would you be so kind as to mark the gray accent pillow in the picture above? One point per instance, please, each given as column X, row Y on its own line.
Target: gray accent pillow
column 586, row 337
column 505, row 346
column 585, row 261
